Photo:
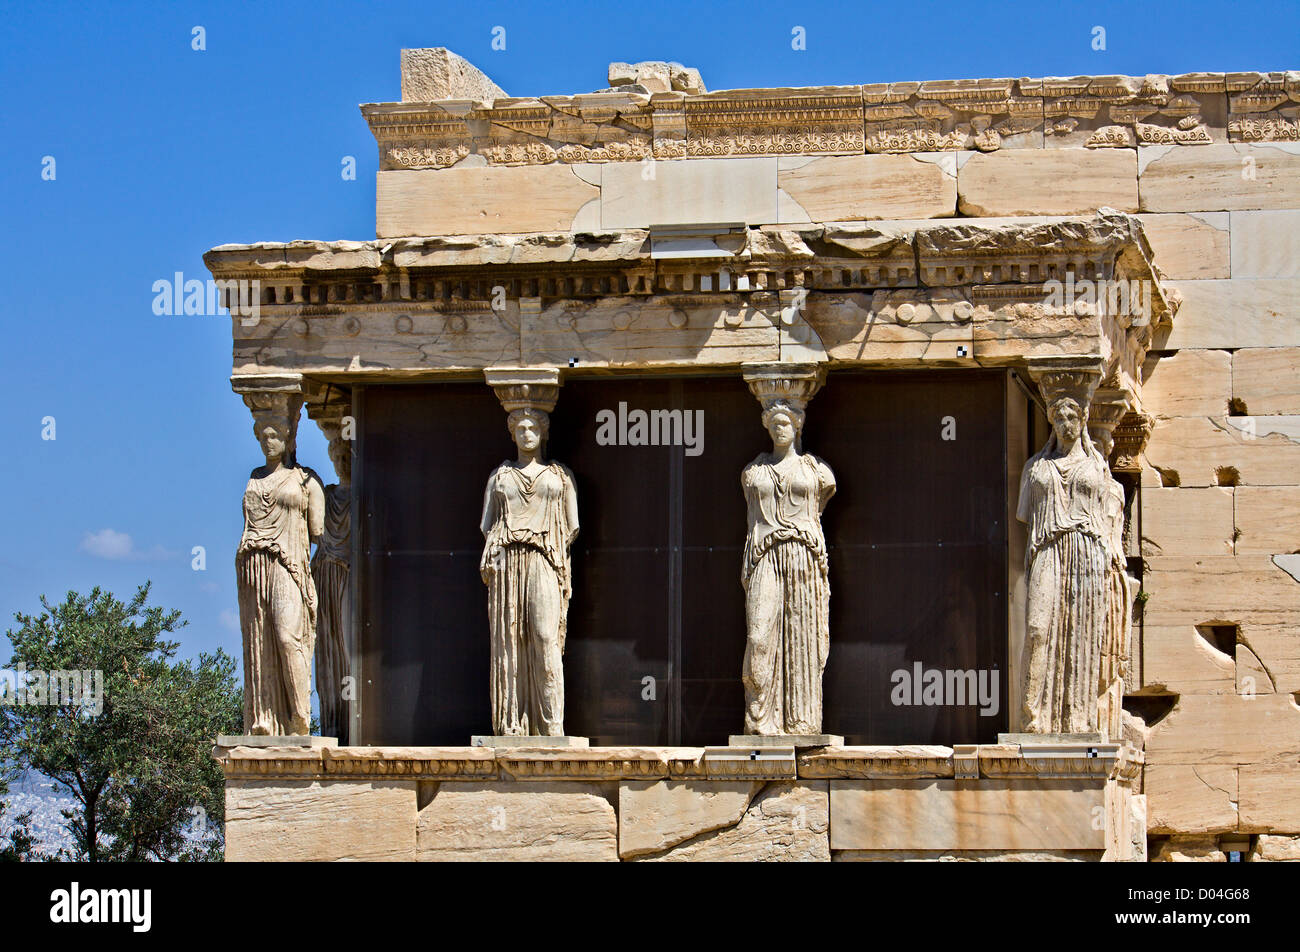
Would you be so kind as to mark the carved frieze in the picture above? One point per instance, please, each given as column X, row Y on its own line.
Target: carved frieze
column 812, row 121
column 980, row 114
column 623, row 125
column 1263, row 107
column 1098, row 112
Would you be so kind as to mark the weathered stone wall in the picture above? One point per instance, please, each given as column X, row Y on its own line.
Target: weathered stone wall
column 1211, row 164
column 1221, row 504
column 643, row 804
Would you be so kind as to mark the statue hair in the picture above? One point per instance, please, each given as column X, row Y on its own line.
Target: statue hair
column 794, row 413
column 263, row 419
column 540, row 417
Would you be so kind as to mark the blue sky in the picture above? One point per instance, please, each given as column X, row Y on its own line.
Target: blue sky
column 162, row 152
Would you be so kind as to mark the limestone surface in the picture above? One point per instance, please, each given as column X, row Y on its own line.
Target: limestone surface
column 785, row 822
column 439, row 73
column 654, row 816
column 519, row 822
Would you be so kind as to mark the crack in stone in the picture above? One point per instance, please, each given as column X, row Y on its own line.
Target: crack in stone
column 707, row 834
column 1226, row 793
column 1252, row 431
column 1241, row 640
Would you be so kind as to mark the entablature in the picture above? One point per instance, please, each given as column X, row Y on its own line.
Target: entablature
column 993, row 292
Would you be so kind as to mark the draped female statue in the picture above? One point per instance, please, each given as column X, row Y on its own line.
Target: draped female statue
column 330, row 571
column 1065, row 494
column 787, row 594
column 1119, row 586
column 530, row 518
column 283, row 513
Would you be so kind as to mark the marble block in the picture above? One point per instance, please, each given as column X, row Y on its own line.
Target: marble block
column 266, row 740
column 797, row 741
column 526, row 740
column 1026, row 740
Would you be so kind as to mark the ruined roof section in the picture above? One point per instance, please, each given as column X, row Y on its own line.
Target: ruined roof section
column 635, row 121
column 441, row 74
column 838, row 256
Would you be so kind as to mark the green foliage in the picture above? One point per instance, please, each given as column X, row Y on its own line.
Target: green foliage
column 141, row 768
column 16, row 845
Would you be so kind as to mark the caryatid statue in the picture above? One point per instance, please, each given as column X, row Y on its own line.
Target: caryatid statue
column 284, row 509
column 330, row 569
column 1109, row 406
column 1066, row 499
column 530, row 518
column 785, row 568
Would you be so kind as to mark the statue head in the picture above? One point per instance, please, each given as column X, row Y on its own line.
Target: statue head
column 341, row 456
column 529, row 428
column 275, row 437
column 1067, row 419
column 275, row 424
column 784, row 423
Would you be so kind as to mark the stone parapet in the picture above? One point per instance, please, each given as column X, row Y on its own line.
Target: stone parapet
column 632, row 123
column 679, row 803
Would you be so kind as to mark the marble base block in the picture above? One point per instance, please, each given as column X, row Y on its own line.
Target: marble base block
column 526, row 740
column 1029, row 740
column 267, row 740
column 796, row 741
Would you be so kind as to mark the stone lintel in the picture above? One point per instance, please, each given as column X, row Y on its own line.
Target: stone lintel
column 1021, row 740
column 252, row 384
column 517, row 741
column 896, row 294
column 752, row 762
column 797, row 741
column 265, row 740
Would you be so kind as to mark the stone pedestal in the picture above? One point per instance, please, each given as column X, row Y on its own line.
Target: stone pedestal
column 1041, row 740
column 797, row 741
column 265, row 740
column 999, row 802
column 526, row 740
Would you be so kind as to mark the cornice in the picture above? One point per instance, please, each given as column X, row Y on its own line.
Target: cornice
column 963, row 762
column 467, row 270
column 1092, row 112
